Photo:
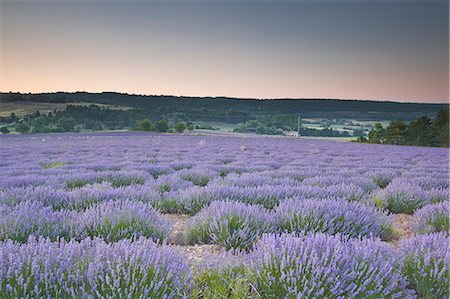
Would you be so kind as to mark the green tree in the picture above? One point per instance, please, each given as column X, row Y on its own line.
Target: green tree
column 97, row 126
column 39, row 125
column 162, row 126
column 190, row 126
column 377, row 134
column 22, row 128
column 4, row 130
column 396, row 132
column 67, row 123
column 144, row 125
column 180, row 127
column 420, row 132
column 440, row 129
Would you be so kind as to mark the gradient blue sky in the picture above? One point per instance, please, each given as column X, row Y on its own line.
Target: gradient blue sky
column 382, row 50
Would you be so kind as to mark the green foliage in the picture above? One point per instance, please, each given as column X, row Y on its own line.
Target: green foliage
column 125, row 181
column 113, row 230
column 180, row 127
column 233, row 283
column 426, row 285
column 22, row 128
column 167, row 205
column 4, row 130
column 52, row 165
column 144, row 125
column 422, row 131
column 189, row 126
column 162, row 126
column 67, row 124
column 39, row 125
column 377, row 135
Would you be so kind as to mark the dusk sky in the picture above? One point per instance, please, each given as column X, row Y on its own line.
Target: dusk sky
column 380, row 50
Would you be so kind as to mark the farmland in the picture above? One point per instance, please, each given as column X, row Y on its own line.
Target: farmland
column 143, row 215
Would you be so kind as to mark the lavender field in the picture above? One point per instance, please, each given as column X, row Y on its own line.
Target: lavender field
column 137, row 215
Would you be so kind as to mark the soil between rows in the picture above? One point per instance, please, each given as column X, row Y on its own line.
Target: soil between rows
column 198, row 253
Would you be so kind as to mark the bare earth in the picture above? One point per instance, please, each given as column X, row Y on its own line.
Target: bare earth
column 198, row 253
column 177, row 239
column 402, row 223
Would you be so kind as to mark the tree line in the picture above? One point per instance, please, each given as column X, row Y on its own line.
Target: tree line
column 423, row 131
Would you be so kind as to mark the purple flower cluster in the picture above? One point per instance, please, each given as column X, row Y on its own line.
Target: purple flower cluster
column 33, row 219
column 230, row 224
column 426, row 264
column 91, row 269
column 402, row 196
column 432, row 218
column 326, row 266
column 117, row 220
column 332, row 217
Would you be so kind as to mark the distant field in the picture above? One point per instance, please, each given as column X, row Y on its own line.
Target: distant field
column 21, row 108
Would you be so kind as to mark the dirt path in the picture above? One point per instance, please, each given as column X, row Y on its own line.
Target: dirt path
column 177, row 239
column 403, row 223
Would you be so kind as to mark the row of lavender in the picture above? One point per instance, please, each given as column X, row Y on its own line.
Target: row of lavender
column 108, row 186
column 280, row 266
column 231, row 224
column 191, row 190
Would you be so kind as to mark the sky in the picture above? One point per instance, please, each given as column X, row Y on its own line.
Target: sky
column 376, row 50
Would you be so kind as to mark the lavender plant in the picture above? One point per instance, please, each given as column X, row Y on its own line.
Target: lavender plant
column 432, row 218
column 117, row 220
column 326, row 266
column 33, row 219
column 400, row 196
column 426, row 260
column 230, row 224
column 91, row 269
column 332, row 217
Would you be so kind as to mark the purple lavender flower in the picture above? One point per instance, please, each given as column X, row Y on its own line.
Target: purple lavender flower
column 33, row 219
column 91, row 269
column 401, row 196
column 122, row 219
column 432, row 218
column 332, row 217
column 326, row 266
column 426, row 260
column 230, row 224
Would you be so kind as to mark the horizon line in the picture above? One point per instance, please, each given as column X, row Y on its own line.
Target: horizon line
column 226, row 97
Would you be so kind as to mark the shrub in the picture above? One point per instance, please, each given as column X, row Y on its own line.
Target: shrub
column 223, row 277
column 33, row 219
column 325, row 266
column 332, row 217
column 122, row 219
column 91, row 269
column 426, row 260
column 400, row 196
column 230, row 224
column 432, row 218
column 188, row 201
column 198, row 177
column 382, row 177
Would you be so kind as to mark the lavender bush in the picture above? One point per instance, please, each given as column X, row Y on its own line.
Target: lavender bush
column 326, row 266
column 230, row 224
column 117, row 220
column 332, row 217
column 91, row 269
column 33, row 219
column 432, row 218
column 401, row 196
column 426, row 260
